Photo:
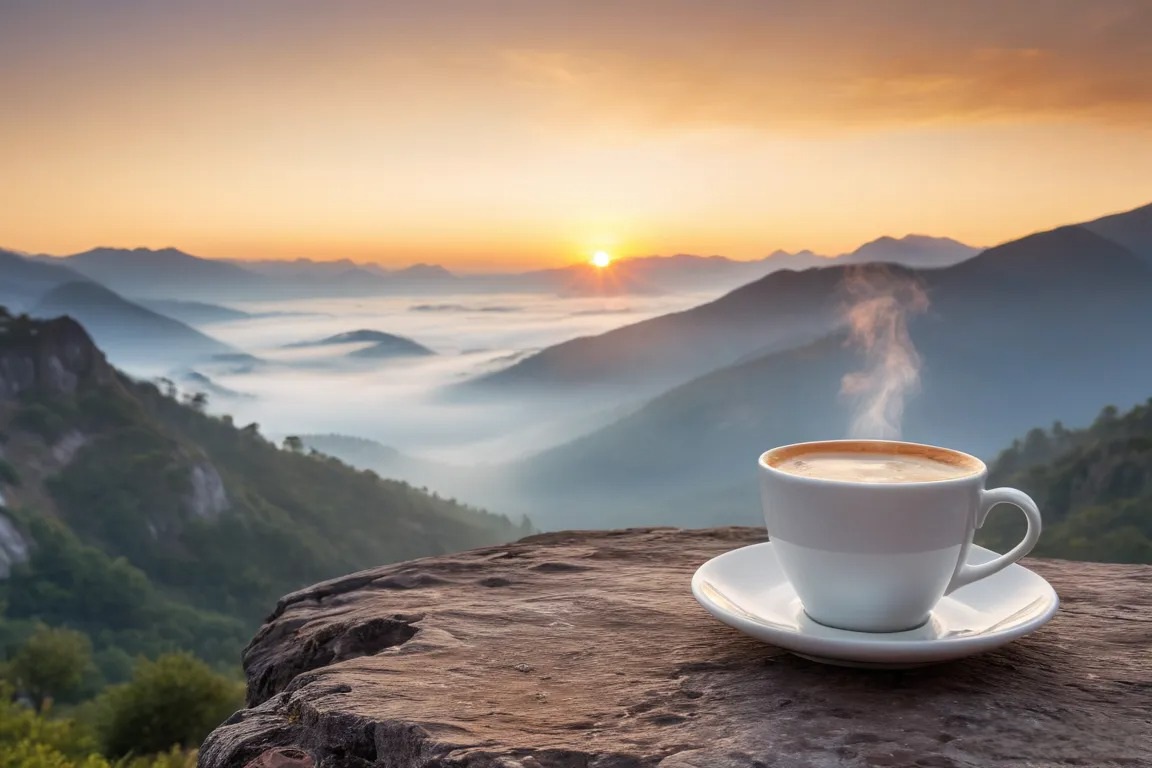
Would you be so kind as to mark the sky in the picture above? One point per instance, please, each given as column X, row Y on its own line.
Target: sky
column 525, row 133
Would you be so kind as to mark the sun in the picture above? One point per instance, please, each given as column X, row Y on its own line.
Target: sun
column 601, row 259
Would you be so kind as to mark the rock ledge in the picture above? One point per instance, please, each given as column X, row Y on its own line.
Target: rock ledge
column 586, row 650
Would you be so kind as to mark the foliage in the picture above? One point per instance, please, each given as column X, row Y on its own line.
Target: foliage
column 52, row 663
column 42, row 420
column 1094, row 488
column 34, row 740
column 8, row 474
column 162, row 532
column 173, row 701
column 68, row 583
column 31, row 740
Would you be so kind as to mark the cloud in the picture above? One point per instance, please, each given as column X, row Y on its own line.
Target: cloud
column 842, row 66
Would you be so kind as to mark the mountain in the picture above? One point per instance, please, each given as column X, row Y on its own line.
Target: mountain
column 194, row 312
column 687, row 272
column 1046, row 326
column 167, row 273
column 775, row 312
column 421, row 273
column 784, row 308
column 343, row 277
column 24, row 280
column 920, row 251
column 1133, row 230
column 132, row 334
column 382, row 344
column 1093, row 486
column 153, row 526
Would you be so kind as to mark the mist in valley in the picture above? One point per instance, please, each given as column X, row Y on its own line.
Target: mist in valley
column 297, row 386
column 586, row 410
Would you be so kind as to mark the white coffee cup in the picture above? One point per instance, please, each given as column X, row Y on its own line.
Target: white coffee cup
column 877, row 556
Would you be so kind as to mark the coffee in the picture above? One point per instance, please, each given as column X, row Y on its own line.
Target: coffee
column 860, row 467
column 873, row 533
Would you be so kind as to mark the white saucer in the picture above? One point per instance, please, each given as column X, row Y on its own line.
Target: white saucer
column 746, row 589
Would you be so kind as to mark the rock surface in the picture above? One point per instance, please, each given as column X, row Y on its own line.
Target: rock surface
column 55, row 357
column 586, row 650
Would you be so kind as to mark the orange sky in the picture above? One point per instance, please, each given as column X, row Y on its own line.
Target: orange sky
column 510, row 133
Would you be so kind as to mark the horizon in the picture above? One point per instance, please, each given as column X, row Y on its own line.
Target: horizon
column 508, row 136
column 614, row 257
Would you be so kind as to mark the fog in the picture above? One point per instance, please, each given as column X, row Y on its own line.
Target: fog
column 399, row 402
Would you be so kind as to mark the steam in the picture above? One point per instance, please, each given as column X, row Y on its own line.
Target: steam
column 879, row 302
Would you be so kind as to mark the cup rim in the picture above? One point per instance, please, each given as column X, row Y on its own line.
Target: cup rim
column 979, row 475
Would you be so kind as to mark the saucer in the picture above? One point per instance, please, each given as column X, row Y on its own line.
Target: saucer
column 746, row 589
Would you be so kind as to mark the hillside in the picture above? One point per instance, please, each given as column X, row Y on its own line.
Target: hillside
column 381, row 344
column 1093, row 485
column 152, row 526
column 194, row 312
column 131, row 334
column 1133, row 230
column 1047, row 326
column 777, row 312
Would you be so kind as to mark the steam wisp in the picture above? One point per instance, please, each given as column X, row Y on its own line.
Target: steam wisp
column 879, row 302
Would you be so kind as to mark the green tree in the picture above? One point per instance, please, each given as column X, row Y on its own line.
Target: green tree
column 52, row 663
column 174, row 701
column 167, row 386
column 197, row 401
column 31, row 740
column 294, row 444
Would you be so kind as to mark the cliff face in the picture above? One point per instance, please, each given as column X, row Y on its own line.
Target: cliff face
column 586, row 650
column 46, row 359
column 13, row 545
column 58, row 397
column 54, row 357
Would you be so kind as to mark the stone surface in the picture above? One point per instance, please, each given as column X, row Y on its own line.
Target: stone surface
column 586, row 650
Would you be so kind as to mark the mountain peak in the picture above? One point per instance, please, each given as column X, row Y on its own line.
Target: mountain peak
column 48, row 356
column 1131, row 229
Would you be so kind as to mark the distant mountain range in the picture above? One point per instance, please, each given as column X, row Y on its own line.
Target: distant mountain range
column 686, row 272
column 163, row 273
column 171, row 274
column 1047, row 326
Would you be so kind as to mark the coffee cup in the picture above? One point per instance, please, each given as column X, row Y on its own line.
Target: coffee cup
column 873, row 533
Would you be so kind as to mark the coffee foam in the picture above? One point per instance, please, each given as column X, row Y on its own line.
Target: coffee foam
column 871, row 461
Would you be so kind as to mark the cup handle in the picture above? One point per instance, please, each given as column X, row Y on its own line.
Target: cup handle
column 966, row 574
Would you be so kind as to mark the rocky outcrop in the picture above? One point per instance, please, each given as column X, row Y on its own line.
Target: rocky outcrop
column 586, row 650
column 13, row 546
column 51, row 357
column 207, row 498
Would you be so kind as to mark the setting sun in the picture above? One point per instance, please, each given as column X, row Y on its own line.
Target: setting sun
column 601, row 259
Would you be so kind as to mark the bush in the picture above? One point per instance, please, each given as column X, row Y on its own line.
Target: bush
column 30, row 740
column 174, row 701
column 52, row 663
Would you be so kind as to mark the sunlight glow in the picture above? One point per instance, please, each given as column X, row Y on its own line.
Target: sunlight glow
column 601, row 259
